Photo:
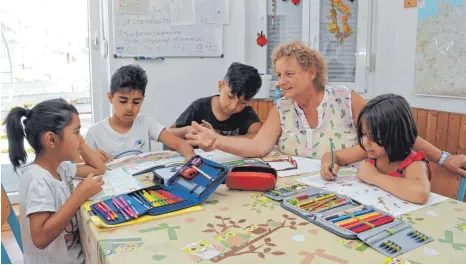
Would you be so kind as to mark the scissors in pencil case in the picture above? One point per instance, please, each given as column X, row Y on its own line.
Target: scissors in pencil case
column 290, row 159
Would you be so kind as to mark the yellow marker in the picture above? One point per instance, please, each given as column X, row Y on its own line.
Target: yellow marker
column 356, row 218
column 149, row 198
column 316, row 200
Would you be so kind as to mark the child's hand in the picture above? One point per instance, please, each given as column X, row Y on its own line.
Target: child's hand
column 207, row 125
column 367, row 172
column 104, row 156
column 81, row 141
column 205, row 139
column 89, row 187
column 325, row 172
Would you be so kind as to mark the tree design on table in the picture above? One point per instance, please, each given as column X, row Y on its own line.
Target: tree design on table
column 409, row 219
column 449, row 240
column 261, row 202
column 239, row 243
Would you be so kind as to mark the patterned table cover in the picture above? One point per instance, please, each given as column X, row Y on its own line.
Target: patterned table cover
column 245, row 227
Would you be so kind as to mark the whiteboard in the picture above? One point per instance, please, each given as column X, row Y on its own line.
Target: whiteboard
column 152, row 35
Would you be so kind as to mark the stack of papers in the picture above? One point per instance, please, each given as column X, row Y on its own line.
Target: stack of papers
column 116, row 182
column 348, row 184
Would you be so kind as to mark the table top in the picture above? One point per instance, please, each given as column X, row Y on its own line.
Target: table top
column 245, row 227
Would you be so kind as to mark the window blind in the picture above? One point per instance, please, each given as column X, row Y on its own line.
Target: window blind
column 288, row 27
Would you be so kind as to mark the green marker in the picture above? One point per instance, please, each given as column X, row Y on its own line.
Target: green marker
column 331, row 156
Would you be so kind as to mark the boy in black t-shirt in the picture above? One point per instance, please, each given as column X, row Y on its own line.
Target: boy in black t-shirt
column 228, row 113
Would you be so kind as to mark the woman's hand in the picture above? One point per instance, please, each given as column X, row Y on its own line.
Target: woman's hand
column 456, row 163
column 206, row 138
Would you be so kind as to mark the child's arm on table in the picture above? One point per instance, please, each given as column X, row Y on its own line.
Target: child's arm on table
column 340, row 158
column 414, row 186
column 175, row 143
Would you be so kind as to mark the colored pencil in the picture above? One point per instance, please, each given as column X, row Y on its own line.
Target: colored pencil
column 344, row 213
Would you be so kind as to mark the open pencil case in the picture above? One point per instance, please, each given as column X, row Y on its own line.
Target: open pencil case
column 350, row 219
column 191, row 185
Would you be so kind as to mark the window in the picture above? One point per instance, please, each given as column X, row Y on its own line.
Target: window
column 286, row 26
column 309, row 22
column 345, row 47
column 44, row 55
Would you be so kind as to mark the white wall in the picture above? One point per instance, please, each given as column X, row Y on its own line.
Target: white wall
column 394, row 46
column 175, row 82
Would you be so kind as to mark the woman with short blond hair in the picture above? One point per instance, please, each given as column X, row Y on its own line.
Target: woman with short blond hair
column 310, row 113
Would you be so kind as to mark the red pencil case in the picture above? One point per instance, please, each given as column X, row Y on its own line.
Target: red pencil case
column 252, row 178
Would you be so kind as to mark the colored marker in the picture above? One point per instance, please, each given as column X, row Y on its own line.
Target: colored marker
column 331, row 158
column 103, row 204
column 356, row 219
column 344, row 213
column 330, row 204
column 376, row 223
column 358, row 213
column 132, row 207
column 123, row 209
column 140, row 202
column 171, row 196
column 369, row 219
column 316, row 200
column 149, row 198
column 99, row 210
column 106, row 212
column 126, row 206
column 115, row 202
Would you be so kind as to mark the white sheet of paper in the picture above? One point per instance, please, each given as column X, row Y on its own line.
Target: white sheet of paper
column 115, row 182
column 220, row 12
column 182, row 12
column 348, row 184
column 218, row 156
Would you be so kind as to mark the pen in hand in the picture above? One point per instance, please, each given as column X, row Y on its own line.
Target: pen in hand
column 331, row 159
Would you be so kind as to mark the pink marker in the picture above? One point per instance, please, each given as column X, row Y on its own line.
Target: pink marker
column 109, row 217
column 127, row 208
column 117, row 205
column 124, row 208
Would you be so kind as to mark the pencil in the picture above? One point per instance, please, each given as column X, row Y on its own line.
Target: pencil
column 202, row 172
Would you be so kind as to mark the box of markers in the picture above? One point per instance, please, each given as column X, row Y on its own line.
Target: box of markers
column 191, row 185
column 350, row 219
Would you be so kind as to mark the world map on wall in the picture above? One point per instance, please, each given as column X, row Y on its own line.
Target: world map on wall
column 441, row 48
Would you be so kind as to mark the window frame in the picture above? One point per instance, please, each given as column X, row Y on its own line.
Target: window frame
column 363, row 49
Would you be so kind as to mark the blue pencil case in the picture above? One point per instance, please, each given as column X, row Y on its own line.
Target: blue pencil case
column 190, row 185
column 350, row 219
